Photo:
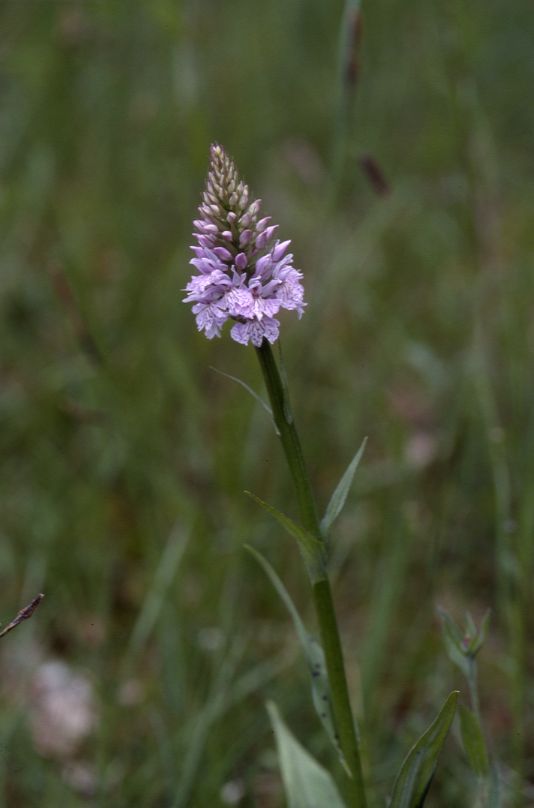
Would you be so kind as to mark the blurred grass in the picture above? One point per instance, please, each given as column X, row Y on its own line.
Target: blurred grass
column 118, row 441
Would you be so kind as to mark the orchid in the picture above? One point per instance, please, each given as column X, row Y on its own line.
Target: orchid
column 243, row 273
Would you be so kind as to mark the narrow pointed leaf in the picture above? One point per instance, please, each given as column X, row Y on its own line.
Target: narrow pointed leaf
column 249, row 390
column 313, row 652
column 312, row 548
column 495, row 788
column 470, row 626
column 480, row 635
column 337, row 501
column 473, row 742
column 415, row 776
column 453, row 640
column 306, row 783
column 484, row 625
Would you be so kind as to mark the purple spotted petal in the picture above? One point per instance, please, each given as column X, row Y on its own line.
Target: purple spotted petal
column 254, row 331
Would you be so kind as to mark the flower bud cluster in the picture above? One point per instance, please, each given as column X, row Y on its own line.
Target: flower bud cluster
column 243, row 273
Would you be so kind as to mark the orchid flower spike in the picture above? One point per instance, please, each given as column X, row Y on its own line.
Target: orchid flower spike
column 243, row 273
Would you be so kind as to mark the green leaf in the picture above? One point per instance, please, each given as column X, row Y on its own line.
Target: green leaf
column 470, row 627
column 494, row 790
column 473, row 741
column 478, row 638
column 462, row 647
column 307, row 784
column 415, row 776
column 164, row 577
column 453, row 640
column 312, row 549
column 337, row 501
column 313, row 652
column 249, row 389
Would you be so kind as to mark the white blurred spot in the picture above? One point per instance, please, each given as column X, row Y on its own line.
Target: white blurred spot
column 130, row 693
column 421, row 449
column 81, row 777
column 63, row 710
column 210, row 638
column 232, row 792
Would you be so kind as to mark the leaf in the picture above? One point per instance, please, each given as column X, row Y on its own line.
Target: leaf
column 307, row 784
column 470, row 627
column 415, row 775
column 473, row 741
column 479, row 637
column 250, row 390
column 164, row 576
column 312, row 549
column 453, row 640
column 494, row 790
column 462, row 647
column 313, row 652
column 338, row 498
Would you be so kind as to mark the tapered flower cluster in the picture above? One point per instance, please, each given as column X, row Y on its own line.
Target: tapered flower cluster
column 243, row 273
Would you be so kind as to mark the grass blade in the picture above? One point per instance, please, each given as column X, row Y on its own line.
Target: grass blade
column 307, row 784
column 312, row 548
column 338, row 498
column 415, row 776
column 249, row 390
column 313, row 652
column 473, row 742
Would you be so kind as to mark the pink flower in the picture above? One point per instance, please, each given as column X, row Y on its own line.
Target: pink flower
column 242, row 274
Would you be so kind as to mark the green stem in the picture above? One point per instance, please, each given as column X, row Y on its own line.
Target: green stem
column 472, row 683
column 322, row 594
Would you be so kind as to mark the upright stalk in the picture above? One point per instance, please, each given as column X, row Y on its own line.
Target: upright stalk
column 322, row 594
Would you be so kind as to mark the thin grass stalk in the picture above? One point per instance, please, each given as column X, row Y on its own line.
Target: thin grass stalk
column 348, row 76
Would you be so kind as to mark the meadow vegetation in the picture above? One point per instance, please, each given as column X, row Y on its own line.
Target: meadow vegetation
column 401, row 173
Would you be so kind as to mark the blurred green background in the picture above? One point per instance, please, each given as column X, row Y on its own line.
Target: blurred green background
column 142, row 678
